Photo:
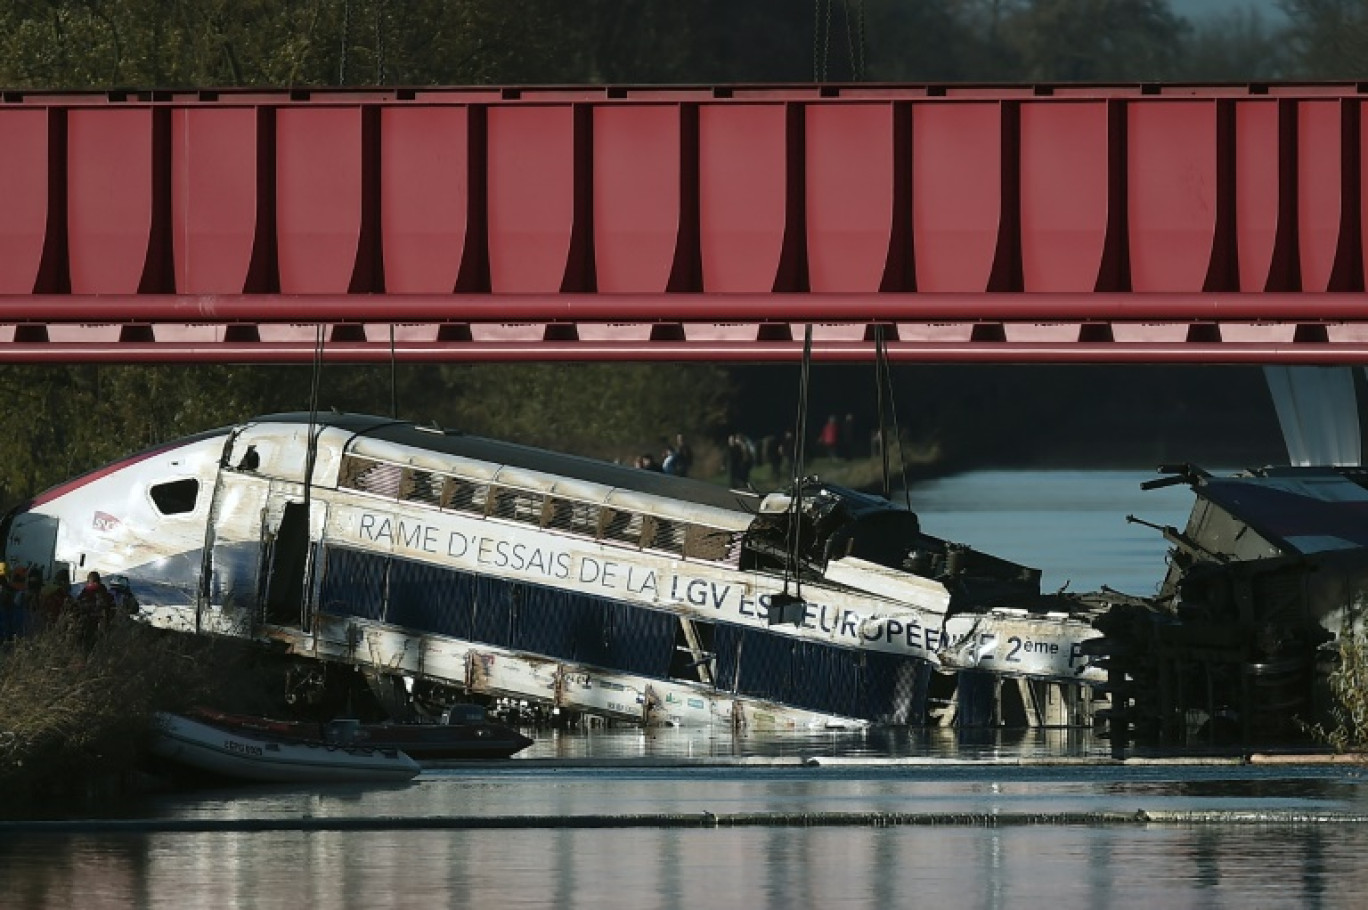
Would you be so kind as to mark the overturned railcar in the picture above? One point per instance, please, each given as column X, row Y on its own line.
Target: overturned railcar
column 502, row 570
column 1269, row 574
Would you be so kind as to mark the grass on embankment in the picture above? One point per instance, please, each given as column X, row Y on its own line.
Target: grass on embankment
column 76, row 703
column 860, row 473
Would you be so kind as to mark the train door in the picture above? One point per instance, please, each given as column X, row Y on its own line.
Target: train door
column 31, row 542
column 234, row 570
column 286, row 560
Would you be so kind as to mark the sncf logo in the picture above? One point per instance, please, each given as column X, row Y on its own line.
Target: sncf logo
column 103, row 521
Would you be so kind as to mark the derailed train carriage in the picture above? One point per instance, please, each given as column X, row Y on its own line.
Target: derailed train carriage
column 427, row 556
column 1266, row 583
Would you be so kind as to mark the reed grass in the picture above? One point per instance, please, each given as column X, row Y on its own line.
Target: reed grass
column 76, row 700
column 1346, row 728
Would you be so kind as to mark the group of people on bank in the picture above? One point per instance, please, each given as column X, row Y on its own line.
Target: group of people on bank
column 836, row 439
column 29, row 604
column 677, row 459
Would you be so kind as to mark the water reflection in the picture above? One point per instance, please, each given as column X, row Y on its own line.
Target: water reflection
column 758, row 868
column 1037, row 865
column 1069, row 524
column 976, row 744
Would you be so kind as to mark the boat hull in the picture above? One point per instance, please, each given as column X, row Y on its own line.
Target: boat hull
column 236, row 755
column 473, row 739
column 442, row 742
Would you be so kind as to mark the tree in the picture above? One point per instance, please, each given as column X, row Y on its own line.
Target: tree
column 1240, row 46
column 1328, row 38
column 1096, row 40
column 604, row 410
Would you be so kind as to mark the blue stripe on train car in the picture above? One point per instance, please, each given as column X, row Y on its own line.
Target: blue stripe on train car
column 598, row 632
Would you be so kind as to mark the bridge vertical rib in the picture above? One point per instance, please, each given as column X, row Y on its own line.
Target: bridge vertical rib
column 530, row 181
column 743, row 193
column 1171, row 192
column 637, row 185
column 425, row 189
column 219, row 210
column 1328, row 173
column 33, row 187
column 1265, row 197
column 321, row 229
column 112, row 178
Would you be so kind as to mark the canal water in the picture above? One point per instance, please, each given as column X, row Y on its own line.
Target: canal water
column 1072, row 525
column 605, row 819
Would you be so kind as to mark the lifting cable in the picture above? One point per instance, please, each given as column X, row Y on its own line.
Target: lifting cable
column 311, row 452
column 880, row 363
column 346, row 38
column 394, row 377
column 795, row 536
column 883, row 378
column 855, row 38
column 379, row 42
column 821, row 38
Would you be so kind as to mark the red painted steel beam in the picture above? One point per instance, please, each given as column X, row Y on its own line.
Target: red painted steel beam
column 1154, row 353
column 828, row 307
column 1152, row 223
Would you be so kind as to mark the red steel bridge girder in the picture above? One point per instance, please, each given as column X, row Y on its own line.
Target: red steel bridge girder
column 1096, row 224
column 969, row 352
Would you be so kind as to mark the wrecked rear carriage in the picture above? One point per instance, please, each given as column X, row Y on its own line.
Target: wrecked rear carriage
column 1268, row 575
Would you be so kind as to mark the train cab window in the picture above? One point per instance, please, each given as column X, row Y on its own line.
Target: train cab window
column 175, row 497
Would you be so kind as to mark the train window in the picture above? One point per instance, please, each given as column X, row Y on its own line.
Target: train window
column 352, row 468
column 517, row 505
column 421, row 486
column 624, row 527
column 572, row 516
column 175, row 497
column 371, row 476
column 712, row 544
column 465, row 495
column 666, row 535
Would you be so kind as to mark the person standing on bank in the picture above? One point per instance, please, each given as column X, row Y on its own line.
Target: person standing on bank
column 830, row 437
column 683, row 460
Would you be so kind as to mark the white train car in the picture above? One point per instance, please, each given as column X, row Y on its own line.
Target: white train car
column 505, row 570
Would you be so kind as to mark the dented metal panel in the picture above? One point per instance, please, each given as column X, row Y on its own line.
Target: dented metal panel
column 1015, row 643
column 900, row 586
